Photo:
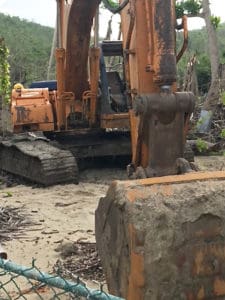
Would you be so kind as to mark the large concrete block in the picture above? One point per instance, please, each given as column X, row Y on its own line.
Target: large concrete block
column 164, row 238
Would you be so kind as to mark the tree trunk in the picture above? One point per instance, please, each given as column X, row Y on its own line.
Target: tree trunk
column 190, row 78
column 109, row 30
column 213, row 93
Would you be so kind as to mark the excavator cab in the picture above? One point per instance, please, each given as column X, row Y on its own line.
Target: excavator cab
column 112, row 77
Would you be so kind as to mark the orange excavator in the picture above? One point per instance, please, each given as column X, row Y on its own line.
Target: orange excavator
column 162, row 235
column 90, row 111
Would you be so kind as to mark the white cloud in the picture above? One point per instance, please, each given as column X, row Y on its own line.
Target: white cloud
column 41, row 11
column 217, row 8
column 2, row 2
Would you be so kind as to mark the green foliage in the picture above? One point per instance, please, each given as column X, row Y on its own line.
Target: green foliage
column 198, row 45
column 8, row 194
column 30, row 47
column 114, row 6
column 215, row 21
column 112, row 3
column 188, row 7
column 201, row 145
column 222, row 133
column 5, row 89
column 179, row 11
column 222, row 95
column 221, row 41
column 203, row 70
column 223, row 54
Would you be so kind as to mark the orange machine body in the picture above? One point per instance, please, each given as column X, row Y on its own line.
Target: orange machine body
column 32, row 107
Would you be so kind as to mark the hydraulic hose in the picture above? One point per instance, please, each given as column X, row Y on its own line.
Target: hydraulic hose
column 113, row 7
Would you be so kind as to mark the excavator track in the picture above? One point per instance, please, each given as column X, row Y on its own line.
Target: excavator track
column 38, row 161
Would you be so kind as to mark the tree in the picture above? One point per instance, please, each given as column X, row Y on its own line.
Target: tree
column 197, row 8
column 211, row 26
column 190, row 8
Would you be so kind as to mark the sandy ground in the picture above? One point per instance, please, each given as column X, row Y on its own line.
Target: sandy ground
column 64, row 213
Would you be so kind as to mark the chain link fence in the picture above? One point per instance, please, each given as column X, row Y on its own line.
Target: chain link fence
column 19, row 282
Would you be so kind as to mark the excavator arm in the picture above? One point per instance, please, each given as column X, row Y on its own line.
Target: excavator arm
column 158, row 113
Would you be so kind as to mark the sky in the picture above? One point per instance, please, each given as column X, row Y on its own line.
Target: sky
column 44, row 12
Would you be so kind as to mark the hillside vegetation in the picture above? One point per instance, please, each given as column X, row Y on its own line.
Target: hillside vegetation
column 30, row 47
column 198, row 45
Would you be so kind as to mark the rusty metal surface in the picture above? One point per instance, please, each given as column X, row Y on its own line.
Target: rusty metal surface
column 203, row 254
column 164, row 42
column 159, row 117
column 190, row 177
column 32, row 107
column 161, row 132
column 164, row 238
column 120, row 121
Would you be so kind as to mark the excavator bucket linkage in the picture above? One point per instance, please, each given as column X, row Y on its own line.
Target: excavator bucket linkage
column 164, row 238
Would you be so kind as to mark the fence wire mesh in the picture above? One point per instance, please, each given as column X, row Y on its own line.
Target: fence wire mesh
column 19, row 282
